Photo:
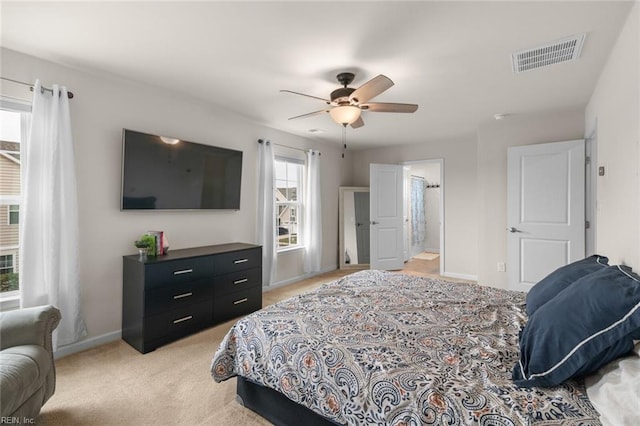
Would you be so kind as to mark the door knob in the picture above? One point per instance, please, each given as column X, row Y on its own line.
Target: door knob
column 513, row 230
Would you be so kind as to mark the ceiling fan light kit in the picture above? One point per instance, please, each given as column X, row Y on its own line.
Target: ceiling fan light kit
column 345, row 114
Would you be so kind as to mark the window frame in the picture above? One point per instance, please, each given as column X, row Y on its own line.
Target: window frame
column 298, row 204
column 11, row 299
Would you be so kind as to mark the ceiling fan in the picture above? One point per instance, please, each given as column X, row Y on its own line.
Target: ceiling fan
column 346, row 103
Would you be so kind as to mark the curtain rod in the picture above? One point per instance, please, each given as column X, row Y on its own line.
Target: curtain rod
column 287, row 146
column 46, row 89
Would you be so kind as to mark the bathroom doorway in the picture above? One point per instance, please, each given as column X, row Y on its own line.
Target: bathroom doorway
column 424, row 214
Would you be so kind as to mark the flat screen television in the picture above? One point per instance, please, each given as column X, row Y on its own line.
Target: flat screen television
column 160, row 173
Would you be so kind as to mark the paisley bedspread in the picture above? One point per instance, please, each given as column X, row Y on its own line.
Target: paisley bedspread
column 392, row 349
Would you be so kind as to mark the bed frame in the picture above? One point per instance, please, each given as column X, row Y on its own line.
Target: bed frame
column 275, row 407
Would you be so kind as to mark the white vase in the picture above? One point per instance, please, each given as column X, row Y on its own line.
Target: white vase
column 143, row 252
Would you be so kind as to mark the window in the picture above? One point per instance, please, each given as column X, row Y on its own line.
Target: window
column 288, row 173
column 8, row 278
column 12, row 122
column 6, row 264
column 14, row 214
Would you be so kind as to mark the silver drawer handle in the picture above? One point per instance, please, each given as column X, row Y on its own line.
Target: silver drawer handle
column 180, row 296
column 179, row 320
column 184, row 271
column 244, row 280
column 237, row 302
column 240, row 261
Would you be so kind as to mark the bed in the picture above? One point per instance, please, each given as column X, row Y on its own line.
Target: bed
column 378, row 347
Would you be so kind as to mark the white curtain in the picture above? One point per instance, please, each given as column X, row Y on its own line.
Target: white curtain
column 49, row 214
column 313, row 214
column 267, row 211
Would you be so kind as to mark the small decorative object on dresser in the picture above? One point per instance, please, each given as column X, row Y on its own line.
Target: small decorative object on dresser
column 166, row 298
column 158, row 239
column 144, row 245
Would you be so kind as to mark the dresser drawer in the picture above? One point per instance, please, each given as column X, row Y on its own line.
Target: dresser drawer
column 178, row 271
column 237, row 304
column 237, row 281
column 163, row 299
column 181, row 321
column 238, row 260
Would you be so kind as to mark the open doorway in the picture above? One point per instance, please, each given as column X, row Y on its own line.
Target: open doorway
column 424, row 218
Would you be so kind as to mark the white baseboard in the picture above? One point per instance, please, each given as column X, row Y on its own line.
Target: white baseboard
column 90, row 343
column 460, row 276
column 300, row 277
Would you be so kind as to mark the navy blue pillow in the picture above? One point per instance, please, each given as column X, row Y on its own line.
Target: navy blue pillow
column 587, row 325
column 561, row 278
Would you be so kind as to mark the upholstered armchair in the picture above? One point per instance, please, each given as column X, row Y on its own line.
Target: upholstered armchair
column 27, row 371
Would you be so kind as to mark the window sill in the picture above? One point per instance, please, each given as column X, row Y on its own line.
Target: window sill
column 8, row 303
column 290, row 250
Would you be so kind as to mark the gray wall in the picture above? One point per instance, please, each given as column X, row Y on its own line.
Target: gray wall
column 474, row 169
column 494, row 137
column 614, row 110
column 102, row 106
column 475, row 185
column 460, row 179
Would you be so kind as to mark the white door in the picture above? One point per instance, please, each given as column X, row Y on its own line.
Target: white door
column 386, row 211
column 545, row 210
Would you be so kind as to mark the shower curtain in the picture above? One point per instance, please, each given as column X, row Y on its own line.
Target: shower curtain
column 418, row 216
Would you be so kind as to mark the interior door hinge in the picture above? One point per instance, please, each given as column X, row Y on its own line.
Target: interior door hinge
column 587, row 224
column 587, row 160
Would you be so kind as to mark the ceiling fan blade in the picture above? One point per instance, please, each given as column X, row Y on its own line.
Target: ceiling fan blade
column 389, row 107
column 358, row 123
column 371, row 89
column 308, row 96
column 309, row 114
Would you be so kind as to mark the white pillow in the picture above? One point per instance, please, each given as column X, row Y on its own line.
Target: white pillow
column 615, row 390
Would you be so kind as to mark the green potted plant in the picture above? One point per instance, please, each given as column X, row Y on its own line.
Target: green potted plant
column 145, row 245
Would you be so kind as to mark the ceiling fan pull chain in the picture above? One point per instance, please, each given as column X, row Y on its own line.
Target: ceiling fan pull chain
column 344, row 138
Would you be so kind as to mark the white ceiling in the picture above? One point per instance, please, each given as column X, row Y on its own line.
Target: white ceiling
column 452, row 58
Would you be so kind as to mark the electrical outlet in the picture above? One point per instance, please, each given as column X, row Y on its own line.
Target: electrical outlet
column 502, row 267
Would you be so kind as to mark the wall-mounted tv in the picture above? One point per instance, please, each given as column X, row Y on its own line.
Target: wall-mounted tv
column 161, row 173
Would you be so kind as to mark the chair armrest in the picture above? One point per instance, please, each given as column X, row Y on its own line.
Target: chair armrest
column 29, row 326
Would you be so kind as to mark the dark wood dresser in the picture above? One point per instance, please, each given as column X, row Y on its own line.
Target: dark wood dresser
column 165, row 298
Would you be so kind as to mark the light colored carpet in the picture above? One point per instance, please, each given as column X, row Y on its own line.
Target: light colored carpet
column 116, row 385
column 426, row 256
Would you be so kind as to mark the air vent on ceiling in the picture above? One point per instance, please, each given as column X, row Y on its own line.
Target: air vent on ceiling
column 564, row 50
